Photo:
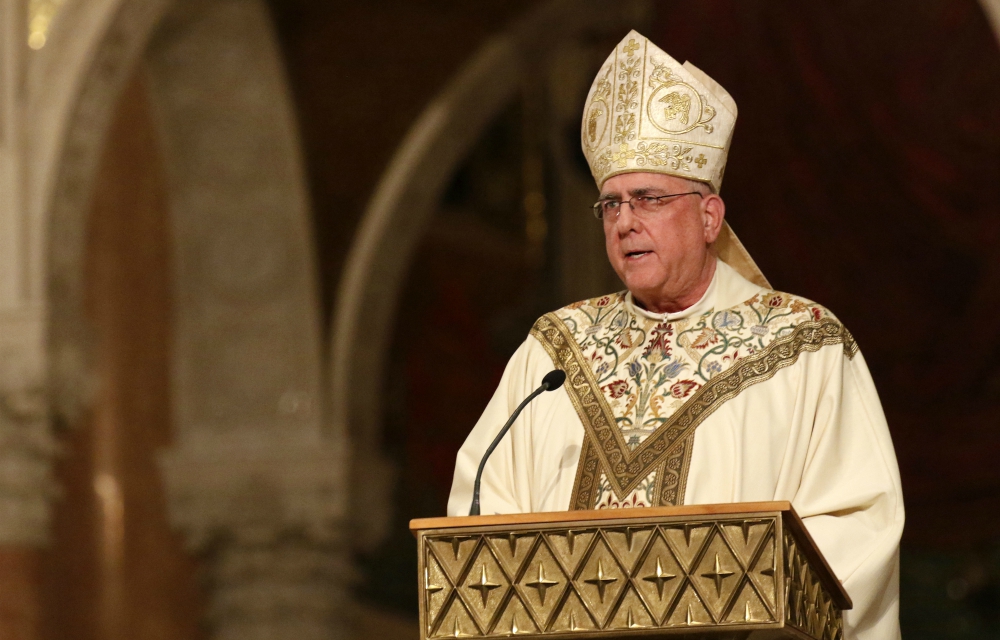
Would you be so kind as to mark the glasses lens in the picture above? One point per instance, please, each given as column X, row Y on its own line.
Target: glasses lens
column 605, row 208
column 646, row 204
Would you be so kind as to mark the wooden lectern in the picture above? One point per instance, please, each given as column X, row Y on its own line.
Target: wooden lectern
column 725, row 572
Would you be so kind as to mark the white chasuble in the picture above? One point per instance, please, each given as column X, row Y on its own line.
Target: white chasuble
column 748, row 395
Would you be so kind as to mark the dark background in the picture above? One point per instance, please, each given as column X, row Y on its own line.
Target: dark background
column 864, row 174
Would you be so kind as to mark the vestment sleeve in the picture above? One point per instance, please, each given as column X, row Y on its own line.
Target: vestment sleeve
column 850, row 497
column 507, row 477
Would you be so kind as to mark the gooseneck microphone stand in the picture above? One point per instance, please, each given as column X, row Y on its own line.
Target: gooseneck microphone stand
column 552, row 381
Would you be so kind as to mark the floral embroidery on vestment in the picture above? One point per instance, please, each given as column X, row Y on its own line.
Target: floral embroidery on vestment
column 641, row 386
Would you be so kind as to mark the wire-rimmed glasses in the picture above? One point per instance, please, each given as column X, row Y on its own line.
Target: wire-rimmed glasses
column 642, row 206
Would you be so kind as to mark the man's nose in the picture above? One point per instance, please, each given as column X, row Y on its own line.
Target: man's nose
column 625, row 222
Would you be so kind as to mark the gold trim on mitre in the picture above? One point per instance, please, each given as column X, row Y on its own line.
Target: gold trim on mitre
column 647, row 112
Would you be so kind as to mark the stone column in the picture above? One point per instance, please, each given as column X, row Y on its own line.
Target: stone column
column 27, row 488
column 265, row 518
column 255, row 483
column 27, row 446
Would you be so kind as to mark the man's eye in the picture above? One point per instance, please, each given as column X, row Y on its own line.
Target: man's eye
column 647, row 200
column 611, row 205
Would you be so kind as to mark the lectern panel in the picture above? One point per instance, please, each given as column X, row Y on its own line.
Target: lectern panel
column 647, row 573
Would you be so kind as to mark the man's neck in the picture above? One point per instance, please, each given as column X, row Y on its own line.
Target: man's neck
column 687, row 298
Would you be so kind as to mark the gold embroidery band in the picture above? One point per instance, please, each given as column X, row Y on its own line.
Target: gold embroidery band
column 671, row 477
column 588, row 474
column 584, row 392
column 603, row 452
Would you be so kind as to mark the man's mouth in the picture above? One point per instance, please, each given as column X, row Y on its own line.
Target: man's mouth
column 634, row 255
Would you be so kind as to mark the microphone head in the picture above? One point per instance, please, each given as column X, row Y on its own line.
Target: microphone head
column 554, row 379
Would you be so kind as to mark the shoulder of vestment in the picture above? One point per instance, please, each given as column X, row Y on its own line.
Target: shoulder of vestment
column 766, row 317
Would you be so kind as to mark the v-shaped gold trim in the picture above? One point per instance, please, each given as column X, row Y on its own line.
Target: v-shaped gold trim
column 607, row 450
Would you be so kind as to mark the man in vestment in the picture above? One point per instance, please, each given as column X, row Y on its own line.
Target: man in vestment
column 699, row 384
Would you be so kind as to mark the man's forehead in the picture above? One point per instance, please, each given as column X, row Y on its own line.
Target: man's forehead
column 639, row 183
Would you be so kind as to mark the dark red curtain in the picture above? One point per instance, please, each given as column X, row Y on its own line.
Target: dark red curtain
column 865, row 174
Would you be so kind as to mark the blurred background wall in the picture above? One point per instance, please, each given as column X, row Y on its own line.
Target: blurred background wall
column 262, row 264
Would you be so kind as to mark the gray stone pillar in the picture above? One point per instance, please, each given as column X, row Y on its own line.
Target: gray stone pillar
column 27, row 449
column 27, row 445
column 266, row 522
column 255, row 482
column 26, row 485
column 26, row 442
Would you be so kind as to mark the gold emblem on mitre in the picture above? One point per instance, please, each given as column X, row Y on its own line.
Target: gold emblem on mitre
column 647, row 112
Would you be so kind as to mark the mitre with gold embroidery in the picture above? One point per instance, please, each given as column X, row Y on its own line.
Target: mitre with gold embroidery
column 647, row 112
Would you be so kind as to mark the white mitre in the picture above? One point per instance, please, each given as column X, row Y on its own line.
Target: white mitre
column 647, row 112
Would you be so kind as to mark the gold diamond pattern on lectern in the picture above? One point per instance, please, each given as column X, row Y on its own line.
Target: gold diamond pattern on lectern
column 573, row 615
column 765, row 570
column 514, row 620
column 659, row 577
column 437, row 588
column 717, row 574
column 628, row 542
column 744, row 538
column 687, row 540
column 600, row 580
column 484, row 586
column 456, row 623
column 748, row 607
column 689, row 610
column 543, row 583
column 570, row 546
column 809, row 607
column 453, row 552
column 512, row 549
column 631, row 613
column 615, row 580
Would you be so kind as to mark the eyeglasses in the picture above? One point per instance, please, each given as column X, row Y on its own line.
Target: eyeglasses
column 642, row 206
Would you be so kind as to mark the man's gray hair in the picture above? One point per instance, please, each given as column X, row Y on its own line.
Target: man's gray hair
column 703, row 188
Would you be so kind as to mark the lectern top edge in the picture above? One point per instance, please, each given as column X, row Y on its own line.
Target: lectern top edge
column 554, row 517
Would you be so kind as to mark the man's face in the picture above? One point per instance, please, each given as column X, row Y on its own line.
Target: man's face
column 662, row 257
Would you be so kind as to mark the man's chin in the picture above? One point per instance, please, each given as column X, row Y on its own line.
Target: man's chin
column 641, row 278
column 641, row 295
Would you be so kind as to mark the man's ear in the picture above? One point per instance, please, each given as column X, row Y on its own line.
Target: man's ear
column 713, row 213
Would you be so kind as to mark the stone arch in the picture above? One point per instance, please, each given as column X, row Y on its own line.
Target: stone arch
column 84, row 71
column 992, row 10
column 155, row 34
column 401, row 207
column 252, row 481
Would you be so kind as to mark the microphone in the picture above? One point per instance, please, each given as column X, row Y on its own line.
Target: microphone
column 552, row 381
